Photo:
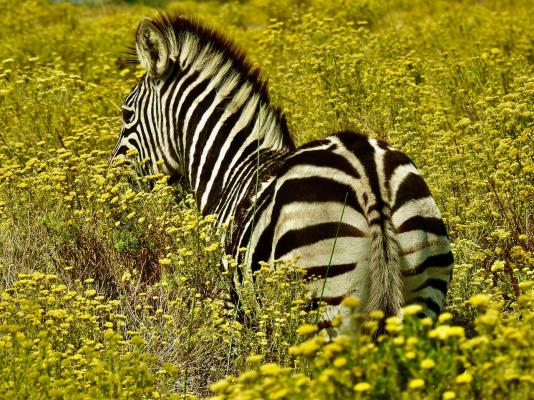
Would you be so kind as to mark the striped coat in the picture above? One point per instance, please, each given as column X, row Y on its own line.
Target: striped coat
column 351, row 209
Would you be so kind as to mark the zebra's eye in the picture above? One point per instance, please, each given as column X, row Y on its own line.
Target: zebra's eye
column 127, row 114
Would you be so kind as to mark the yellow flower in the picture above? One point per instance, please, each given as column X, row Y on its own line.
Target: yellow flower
column 449, row 395
column 270, row 369
column 394, row 321
column 412, row 309
column 479, row 300
column 337, row 321
column 219, row 387
column 446, row 316
column 416, row 383
column 428, row 363
column 331, row 349
column 307, row 329
column 59, row 313
column 464, row 378
column 393, row 324
column 211, row 248
column 399, row 341
column 444, row 332
column 126, row 276
column 526, row 285
column 427, row 321
column 497, row 266
column 307, row 348
column 490, row 318
column 254, row 359
column 351, row 302
column 362, row 387
column 376, row 314
column 326, row 375
column 457, row 331
column 248, row 376
column 340, row 362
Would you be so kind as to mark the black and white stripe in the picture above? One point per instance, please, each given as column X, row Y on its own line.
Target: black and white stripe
column 204, row 111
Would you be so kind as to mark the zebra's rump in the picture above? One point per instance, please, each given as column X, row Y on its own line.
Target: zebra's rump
column 327, row 198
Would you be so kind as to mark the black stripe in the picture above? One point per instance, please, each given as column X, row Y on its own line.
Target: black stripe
column 241, row 238
column 168, row 118
column 173, row 76
column 199, row 110
column 365, row 152
column 262, row 203
column 427, row 224
column 191, row 97
column 317, row 143
column 121, row 151
column 439, row 260
column 412, row 187
column 188, row 82
column 314, row 189
column 245, row 208
column 147, row 138
column 324, row 324
column 335, row 270
column 192, row 126
column 238, row 185
column 171, row 102
column 311, row 234
column 437, row 284
column 216, row 194
column 320, row 158
column 180, row 116
column 236, row 189
column 310, row 190
column 392, row 160
column 332, row 301
column 222, row 135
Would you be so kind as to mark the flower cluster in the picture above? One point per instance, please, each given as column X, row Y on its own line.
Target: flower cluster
column 114, row 280
column 416, row 359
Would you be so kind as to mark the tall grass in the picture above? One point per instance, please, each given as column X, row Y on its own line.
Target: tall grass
column 111, row 284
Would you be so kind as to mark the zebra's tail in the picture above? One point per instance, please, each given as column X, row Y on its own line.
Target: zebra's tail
column 385, row 280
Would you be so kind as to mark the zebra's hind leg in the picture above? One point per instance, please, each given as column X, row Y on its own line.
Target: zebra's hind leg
column 233, row 307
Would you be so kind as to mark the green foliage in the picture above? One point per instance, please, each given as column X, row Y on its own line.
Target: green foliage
column 111, row 284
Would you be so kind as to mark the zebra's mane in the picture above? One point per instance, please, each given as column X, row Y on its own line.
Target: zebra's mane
column 176, row 29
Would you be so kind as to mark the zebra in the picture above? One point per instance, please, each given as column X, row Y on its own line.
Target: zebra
column 354, row 211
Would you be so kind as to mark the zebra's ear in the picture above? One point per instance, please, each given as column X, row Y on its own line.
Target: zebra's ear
column 152, row 48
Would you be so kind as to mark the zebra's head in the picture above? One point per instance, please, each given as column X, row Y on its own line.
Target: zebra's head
column 146, row 124
column 199, row 101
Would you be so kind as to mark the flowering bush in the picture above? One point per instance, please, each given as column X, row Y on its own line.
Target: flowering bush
column 414, row 359
column 111, row 284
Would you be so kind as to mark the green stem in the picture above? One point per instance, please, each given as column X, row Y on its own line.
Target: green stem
column 332, row 254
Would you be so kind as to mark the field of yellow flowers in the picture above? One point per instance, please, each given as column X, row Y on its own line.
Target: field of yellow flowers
column 110, row 283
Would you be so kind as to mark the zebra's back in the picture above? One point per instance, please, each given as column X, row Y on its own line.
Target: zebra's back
column 339, row 203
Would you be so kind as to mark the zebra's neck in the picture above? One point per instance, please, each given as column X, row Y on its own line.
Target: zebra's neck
column 230, row 136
